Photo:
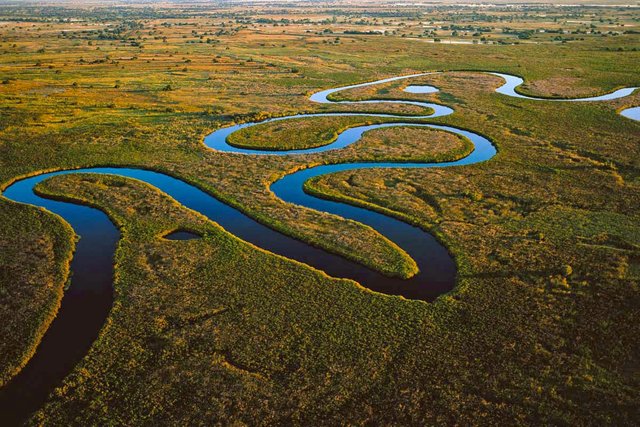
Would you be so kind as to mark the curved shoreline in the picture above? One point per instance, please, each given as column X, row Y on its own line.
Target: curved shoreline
column 217, row 140
column 510, row 88
column 632, row 113
column 55, row 357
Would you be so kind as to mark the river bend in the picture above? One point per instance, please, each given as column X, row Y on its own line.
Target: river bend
column 89, row 298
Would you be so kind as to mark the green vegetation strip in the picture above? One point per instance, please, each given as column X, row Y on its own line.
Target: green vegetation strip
column 213, row 331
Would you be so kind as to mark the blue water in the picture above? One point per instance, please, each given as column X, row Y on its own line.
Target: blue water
column 420, row 89
column 512, row 82
column 632, row 113
column 88, row 300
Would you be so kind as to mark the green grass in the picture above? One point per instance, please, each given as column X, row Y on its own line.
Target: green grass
column 214, row 330
column 171, row 296
column 35, row 251
column 293, row 134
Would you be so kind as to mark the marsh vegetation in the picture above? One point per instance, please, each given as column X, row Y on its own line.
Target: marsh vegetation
column 543, row 324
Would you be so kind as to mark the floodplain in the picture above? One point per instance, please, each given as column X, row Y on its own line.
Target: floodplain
column 534, row 320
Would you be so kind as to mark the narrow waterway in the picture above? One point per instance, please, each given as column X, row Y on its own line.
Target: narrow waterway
column 89, row 298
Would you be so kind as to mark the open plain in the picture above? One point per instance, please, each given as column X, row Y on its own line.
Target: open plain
column 324, row 280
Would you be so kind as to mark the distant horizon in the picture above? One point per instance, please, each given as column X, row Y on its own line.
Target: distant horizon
column 466, row 3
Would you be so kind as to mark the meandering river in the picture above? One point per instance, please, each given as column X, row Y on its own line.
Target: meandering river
column 87, row 301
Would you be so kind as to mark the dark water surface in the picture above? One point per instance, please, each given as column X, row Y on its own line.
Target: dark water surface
column 89, row 298
column 181, row 235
